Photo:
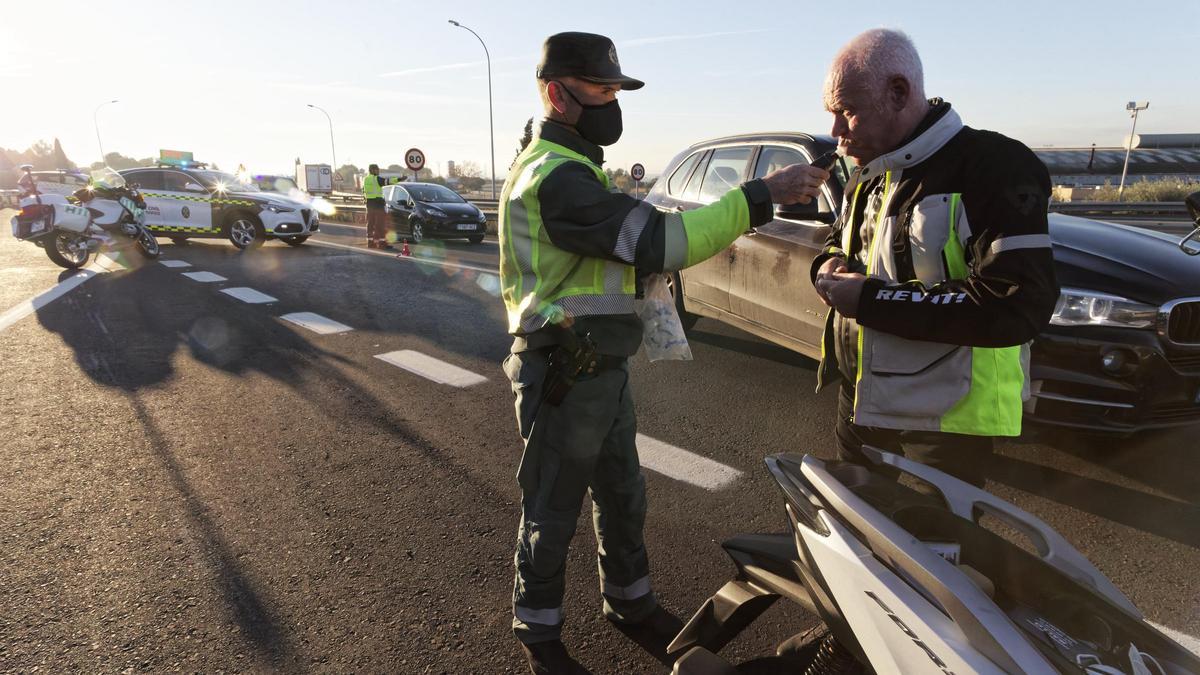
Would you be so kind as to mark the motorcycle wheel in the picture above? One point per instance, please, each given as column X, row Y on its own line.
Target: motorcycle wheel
column 147, row 245
column 61, row 252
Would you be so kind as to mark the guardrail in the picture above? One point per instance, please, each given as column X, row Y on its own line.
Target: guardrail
column 1166, row 210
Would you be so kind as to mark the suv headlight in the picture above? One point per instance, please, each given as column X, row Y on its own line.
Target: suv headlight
column 275, row 208
column 1089, row 308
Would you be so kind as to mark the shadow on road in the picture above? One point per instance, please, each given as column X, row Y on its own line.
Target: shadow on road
column 1142, row 511
column 752, row 346
column 254, row 618
column 127, row 330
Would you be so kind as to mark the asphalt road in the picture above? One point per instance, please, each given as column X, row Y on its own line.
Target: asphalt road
column 190, row 482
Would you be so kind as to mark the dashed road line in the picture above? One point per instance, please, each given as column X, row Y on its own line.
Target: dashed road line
column 248, row 295
column 204, row 277
column 316, row 323
column 1190, row 643
column 175, row 263
column 685, row 466
column 24, row 309
column 432, row 369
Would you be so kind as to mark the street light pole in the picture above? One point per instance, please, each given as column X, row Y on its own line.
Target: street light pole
column 1134, row 108
column 96, row 123
column 332, row 149
column 491, row 124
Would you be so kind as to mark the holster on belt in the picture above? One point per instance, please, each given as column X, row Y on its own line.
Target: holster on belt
column 574, row 357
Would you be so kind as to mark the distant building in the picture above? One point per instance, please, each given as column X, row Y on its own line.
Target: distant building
column 1153, row 157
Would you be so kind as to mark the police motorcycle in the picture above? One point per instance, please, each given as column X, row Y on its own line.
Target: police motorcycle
column 107, row 214
column 908, row 581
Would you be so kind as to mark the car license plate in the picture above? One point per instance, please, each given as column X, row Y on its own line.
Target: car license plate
column 466, row 226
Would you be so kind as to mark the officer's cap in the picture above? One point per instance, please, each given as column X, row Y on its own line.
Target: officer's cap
column 587, row 56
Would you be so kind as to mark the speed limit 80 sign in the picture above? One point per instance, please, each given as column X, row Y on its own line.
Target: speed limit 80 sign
column 414, row 159
column 637, row 172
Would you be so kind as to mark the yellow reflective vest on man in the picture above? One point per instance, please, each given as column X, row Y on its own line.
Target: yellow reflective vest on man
column 572, row 246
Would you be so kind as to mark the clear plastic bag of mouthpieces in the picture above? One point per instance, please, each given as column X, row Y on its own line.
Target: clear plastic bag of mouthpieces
column 662, row 331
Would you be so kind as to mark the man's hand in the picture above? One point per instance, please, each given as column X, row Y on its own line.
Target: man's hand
column 830, row 267
column 843, row 291
column 795, row 183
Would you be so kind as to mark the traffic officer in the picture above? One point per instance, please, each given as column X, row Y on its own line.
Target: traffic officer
column 939, row 271
column 572, row 249
column 376, row 213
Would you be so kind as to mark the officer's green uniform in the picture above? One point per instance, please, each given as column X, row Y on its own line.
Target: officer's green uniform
column 569, row 248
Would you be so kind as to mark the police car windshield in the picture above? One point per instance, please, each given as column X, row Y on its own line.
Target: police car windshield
column 435, row 193
column 223, row 182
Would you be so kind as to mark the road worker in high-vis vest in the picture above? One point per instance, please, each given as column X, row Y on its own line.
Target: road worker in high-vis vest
column 372, row 187
column 939, row 271
column 572, row 249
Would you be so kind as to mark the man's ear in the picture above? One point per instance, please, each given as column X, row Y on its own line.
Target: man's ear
column 554, row 93
column 899, row 91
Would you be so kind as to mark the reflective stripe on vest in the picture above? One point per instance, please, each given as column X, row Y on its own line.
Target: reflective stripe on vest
column 371, row 189
column 541, row 283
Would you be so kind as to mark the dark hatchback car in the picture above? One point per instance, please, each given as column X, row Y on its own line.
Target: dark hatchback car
column 420, row 210
column 1122, row 351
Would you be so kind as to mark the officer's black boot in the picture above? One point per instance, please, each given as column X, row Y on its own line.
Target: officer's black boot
column 550, row 658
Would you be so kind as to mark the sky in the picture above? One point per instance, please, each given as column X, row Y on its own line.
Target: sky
column 230, row 81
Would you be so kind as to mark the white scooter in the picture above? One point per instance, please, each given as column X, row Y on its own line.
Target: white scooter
column 909, row 582
column 106, row 214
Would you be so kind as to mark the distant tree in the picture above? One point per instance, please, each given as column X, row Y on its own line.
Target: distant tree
column 396, row 167
column 526, row 139
column 119, row 162
column 468, row 169
column 60, row 157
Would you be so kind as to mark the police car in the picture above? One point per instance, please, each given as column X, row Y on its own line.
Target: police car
column 60, row 182
column 198, row 202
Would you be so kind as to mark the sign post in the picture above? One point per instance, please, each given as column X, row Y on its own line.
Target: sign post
column 637, row 172
column 414, row 159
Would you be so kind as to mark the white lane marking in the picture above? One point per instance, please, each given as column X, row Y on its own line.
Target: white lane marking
column 248, row 295
column 204, row 277
column 440, row 263
column 24, row 309
column 432, row 369
column 316, row 323
column 682, row 465
column 175, row 263
column 1190, row 643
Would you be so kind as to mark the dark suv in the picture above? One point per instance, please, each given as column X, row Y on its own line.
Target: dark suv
column 1122, row 351
column 421, row 210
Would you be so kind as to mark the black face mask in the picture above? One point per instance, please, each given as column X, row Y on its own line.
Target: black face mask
column 600, row 124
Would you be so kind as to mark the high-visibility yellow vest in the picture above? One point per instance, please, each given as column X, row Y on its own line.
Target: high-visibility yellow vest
column 371, row 188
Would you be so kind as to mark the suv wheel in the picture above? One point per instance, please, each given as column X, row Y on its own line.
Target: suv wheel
column 246, row 232
column 676, row 285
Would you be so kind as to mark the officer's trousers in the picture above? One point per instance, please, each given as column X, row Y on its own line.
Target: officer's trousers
column 965, row 457
column 585, row 444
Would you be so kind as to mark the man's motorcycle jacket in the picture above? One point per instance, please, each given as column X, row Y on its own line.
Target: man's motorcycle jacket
column 951, row 230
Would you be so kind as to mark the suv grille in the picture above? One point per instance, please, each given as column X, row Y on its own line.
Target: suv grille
column 1186, row 363
column 1175, row 412
column 1183, row 326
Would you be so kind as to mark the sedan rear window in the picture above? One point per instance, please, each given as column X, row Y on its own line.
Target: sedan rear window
column 675, row 184
column 726, row 170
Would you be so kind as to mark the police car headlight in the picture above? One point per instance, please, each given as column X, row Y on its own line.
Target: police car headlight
column 273, row 208
column 1089, row 308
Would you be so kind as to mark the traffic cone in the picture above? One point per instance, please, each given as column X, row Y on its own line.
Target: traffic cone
column 404, row 249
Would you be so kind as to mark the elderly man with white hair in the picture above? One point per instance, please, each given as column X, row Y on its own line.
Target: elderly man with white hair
column 938, row 272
